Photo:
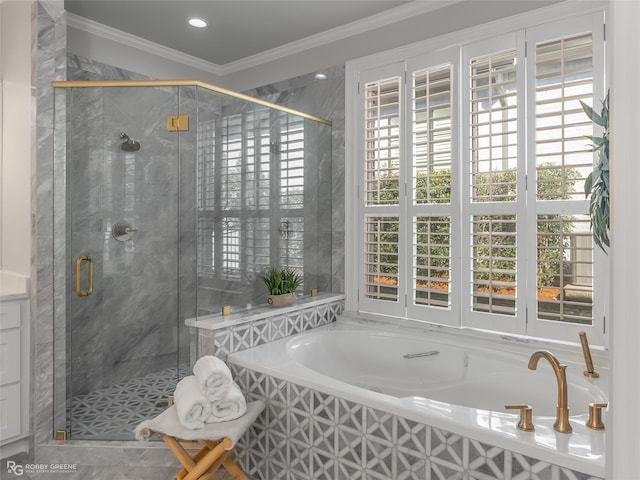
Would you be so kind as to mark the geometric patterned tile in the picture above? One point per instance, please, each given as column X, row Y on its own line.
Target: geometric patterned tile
column 323, row 465
column 251, row 334
column 380, row 425
column 278, row 328
column 486, row 462
column 308, row 319
column 412, row 436
column 379, row 459
column 300, row 460
column 242, row 337
column 527, row 468
column 314, row 435
column 447, row 448
column 294, row 323
column 324, row 407
column 349, row 446
column 567, row 474
column 323, row 437
column 304, row 434
column 111, row 413
column 438, row 471
column 410, row 465
column 261, row 332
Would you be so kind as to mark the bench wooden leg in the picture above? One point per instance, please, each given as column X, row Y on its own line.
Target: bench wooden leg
column 206, row 461
column 233, row 468
column 196, row 458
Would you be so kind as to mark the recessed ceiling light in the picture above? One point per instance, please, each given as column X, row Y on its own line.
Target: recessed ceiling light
column 321, row 76
column 197, row 22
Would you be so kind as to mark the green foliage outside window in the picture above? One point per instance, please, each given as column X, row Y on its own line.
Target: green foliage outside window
column 553, row 184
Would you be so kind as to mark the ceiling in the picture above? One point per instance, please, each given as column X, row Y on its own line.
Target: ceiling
column 238, row 29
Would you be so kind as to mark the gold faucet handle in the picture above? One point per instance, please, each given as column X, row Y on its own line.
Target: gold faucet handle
column 526, row 416
column 595, row 416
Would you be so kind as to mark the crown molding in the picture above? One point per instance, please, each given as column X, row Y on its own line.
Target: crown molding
column 139, row 43
column 372, row 22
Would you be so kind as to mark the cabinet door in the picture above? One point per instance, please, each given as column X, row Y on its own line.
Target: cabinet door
column 9, row 356
column 10, row 414
column 9, row 315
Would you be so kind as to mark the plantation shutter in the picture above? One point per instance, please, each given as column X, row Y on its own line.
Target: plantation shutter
column 472, row 164
column 493, row 182
column 562, row 71
column 383, row 278
column 434, row 220
column 206, row 199
column 257, row 244
column 290, row 151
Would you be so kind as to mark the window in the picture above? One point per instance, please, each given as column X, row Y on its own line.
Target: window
column 250, row 193
column 472, row 162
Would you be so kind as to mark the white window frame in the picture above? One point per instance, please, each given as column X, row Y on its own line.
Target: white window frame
column 358, row 72
column 548, row 328
column 451, row 315
column 470, row 318
column 396, row 308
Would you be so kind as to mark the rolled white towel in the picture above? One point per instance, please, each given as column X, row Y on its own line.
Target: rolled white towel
column 191, row 405
column 214, row 377
column 232, row 406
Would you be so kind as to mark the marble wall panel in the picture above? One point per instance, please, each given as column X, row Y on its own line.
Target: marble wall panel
column 187, row 223
column 48, row 26
column 128, row 326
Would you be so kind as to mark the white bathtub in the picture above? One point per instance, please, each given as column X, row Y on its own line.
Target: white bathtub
column 461, row 388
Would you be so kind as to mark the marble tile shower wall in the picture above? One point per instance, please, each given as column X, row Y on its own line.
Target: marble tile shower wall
column 48, row 59
column 135, row 285
column 305, row 434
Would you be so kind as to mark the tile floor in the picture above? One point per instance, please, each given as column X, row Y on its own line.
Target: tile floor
column 112, row 413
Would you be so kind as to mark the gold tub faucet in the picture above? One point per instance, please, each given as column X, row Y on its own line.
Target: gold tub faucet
column 562, row 424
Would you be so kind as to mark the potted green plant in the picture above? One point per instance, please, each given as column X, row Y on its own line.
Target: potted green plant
column 281, row 284
column 597, row 183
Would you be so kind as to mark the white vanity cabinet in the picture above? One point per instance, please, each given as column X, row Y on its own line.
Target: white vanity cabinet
column 14, row 376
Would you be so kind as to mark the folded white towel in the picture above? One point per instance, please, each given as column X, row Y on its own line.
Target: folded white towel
column 167, row 423
column 230, row 407
column 214, row 377
column 191, row 405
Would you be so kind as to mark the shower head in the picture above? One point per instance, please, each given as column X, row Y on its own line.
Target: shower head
column 129, row 144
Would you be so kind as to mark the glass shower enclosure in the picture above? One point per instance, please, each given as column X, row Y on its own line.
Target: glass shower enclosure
column 171, row 198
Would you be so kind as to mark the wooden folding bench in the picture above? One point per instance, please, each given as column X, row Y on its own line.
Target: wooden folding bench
column 218, row 439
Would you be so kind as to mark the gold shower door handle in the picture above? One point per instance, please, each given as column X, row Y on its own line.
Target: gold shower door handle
column 79, row 262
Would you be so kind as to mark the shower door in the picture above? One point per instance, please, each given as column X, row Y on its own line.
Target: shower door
column 126, row 346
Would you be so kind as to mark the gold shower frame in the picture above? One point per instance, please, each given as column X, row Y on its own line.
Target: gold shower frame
column 183, row 83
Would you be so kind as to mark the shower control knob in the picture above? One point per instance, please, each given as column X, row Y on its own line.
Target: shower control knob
column 122, row 231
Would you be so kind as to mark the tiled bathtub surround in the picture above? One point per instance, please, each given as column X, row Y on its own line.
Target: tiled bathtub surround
column 220, row 336
column 305, row 434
